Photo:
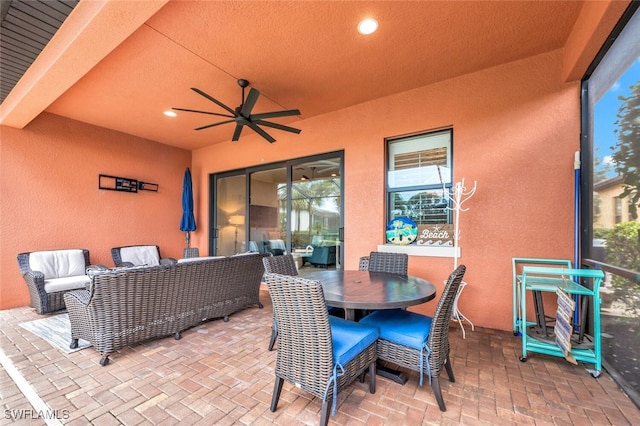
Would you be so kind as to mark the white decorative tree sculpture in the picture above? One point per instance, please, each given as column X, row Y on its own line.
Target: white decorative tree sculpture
column 459, row 195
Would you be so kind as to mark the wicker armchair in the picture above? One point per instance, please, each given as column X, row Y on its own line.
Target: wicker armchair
column 50, row 274
column 323, row 256
column 285, row 265
column 419, row 342
column 393, row 263
column 128, row 256
column 320, row 354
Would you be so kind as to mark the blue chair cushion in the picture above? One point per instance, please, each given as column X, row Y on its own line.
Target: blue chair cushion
column 350, row 338
column 401, row 327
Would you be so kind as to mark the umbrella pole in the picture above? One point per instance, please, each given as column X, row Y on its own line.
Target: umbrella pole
column 188, row 239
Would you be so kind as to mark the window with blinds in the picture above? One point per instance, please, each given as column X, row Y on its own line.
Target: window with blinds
column 419, row 177
column 414, row 160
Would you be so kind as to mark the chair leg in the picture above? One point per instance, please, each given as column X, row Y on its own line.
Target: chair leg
column 435, row 385
column 372, row 377
column 326, row 406
column 276, row 393
column 449, row 369
column 274, row 336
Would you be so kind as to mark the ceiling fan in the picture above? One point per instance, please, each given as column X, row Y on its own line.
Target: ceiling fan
column 242, row 115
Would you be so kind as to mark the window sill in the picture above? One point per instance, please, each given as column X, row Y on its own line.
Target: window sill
column 414, row 250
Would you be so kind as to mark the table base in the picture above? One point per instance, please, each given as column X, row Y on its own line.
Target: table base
column 391, row 374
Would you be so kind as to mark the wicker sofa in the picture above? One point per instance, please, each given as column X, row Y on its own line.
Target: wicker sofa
column 123, row 307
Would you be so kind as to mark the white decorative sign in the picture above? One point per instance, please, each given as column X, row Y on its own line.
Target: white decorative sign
column 435, row 235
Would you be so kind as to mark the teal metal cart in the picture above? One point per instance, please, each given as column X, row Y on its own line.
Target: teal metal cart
column 546, row 279
column 517, row 263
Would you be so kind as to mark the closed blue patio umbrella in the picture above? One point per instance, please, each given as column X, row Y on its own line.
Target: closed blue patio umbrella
column 188, row 222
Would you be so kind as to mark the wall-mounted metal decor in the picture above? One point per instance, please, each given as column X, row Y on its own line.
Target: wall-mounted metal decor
column 116, row 183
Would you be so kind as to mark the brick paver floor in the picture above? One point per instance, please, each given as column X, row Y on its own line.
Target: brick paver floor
column 221, row 374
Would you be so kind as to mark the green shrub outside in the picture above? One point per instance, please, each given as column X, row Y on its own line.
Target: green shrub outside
column 623, row 250
column 601, row 233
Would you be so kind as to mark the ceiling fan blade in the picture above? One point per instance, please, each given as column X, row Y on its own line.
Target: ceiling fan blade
column 250, row 102
column 236, row 133
column 261, row 132
column 215, row 124
column 214, row 100
column 273, row 114
column 202, row 112
column 278, row 126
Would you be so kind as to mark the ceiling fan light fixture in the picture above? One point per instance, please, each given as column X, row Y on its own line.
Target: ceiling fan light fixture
column 242, row 115
column 170, row 113
column 367, row 26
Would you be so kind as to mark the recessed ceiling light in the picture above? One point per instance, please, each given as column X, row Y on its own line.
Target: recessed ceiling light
column 367, row 26
column 170, row 113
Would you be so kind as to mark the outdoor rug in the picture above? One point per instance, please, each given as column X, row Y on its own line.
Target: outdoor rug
column 56, row 330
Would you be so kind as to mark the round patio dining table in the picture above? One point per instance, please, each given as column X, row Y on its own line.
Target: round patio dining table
column 364, row 290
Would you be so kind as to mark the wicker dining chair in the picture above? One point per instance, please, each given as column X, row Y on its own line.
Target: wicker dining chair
column 285, row 265
column 318, row 353
column 419, row 342
column 393, row 263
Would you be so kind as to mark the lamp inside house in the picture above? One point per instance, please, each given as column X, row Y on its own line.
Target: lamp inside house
column 235, row 220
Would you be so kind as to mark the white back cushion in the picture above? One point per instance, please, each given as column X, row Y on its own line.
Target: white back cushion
column 197, row 259
column 58, row 263
column 140, row 255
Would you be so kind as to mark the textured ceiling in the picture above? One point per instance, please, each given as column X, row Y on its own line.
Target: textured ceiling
column 303, row 54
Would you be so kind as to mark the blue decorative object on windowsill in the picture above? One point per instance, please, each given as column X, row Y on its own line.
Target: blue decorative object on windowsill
column 402, row 231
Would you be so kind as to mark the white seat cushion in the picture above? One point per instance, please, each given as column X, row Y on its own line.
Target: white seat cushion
column 140, row 255
column 58, row 263
column 66, row 283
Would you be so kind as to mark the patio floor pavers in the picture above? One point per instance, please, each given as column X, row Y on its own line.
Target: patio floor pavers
column 222, row 373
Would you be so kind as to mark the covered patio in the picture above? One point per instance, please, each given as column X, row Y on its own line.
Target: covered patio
column 202, row 381
column 504, row 78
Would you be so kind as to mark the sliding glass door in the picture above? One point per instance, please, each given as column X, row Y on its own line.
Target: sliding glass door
column 288, row 207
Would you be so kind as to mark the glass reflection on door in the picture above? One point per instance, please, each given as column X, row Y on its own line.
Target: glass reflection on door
column 315, row 212
column 267, row 213
column 230, row 215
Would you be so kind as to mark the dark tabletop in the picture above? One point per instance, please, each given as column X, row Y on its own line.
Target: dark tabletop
column 372, row 290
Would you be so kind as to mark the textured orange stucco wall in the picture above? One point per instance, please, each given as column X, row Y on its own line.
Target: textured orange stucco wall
column 50, row 196
column 516, row 128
